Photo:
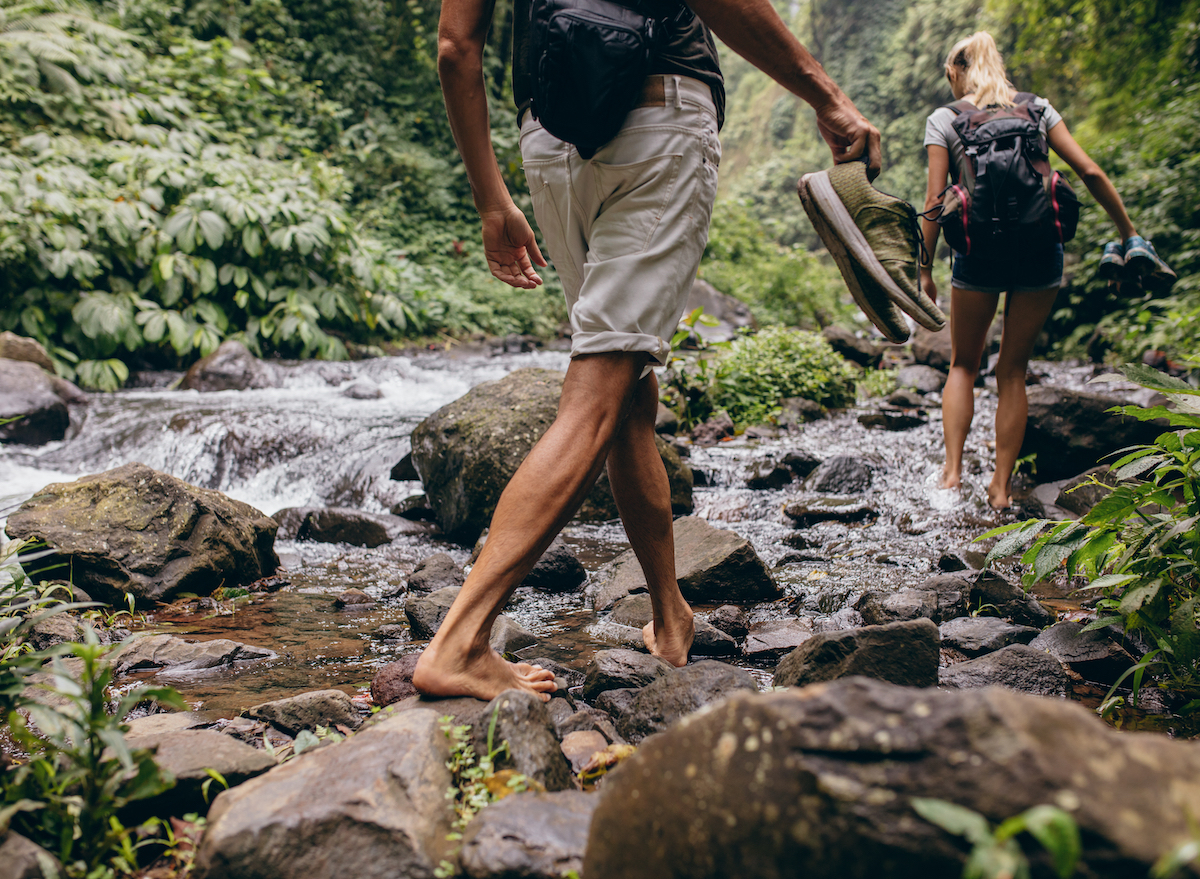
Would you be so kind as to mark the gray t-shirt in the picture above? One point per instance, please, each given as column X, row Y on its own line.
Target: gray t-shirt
column 939, row 130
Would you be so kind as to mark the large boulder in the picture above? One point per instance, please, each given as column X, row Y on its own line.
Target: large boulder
column 661, row 704
column 467, row 451
column 712, row 565
column 1071, row 430
column 903, row 653
column 531, row 835
column 818, row 783
column 35, row 405
column 372, row 807
column 138, row 531
column 230, row 368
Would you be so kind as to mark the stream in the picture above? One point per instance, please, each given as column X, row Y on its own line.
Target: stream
column 306, row 444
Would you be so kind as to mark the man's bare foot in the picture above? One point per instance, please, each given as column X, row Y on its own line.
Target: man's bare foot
column 485, row 676
column 672, row 641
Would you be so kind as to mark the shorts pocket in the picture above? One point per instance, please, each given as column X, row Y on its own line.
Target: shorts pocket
column 633, row 197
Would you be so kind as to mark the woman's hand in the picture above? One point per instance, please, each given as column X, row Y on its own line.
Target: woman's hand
column 927, row 283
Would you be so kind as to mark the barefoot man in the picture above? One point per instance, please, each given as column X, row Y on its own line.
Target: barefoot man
column 626, row 228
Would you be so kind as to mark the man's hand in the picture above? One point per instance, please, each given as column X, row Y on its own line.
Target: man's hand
column 850, row 135
column 510, row 247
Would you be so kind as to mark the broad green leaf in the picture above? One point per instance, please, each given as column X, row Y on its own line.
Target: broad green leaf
column 1134, row 598
column 954, row 819
column 252, row 242
column 213, row 227
column 1059, row 835
column 166, row 266
column 208, row 276
column 304, row 741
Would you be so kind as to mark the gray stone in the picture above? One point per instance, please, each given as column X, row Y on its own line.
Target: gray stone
column 828, row 794
column 415, row 507
column 887, row 418
column 666, row 421
column 393, row 681
column 588, row 719
column 880, row 608
column 922, row 378
column 767, row 475
column 1080, row 494
column 426, row 612
column 932, row 348
column 327, row 708
column 139, row 531
column 373, row 806
column 633, row 610
column 230, row 368
column 345, row 525
column 467, row 451
column 578, row 746
column 620, row 668
column 864, row 352
column 1094, row 655
column 187, row 755
column 906, row 399
column 34, row 399
column 730, row 619
column 801, row 463
column 438, row 571
column 22, row 348
column 711, row 641
column 404, row 471
column 951, row 594
column 976, row 635
column 508, row 637
column 842, row 475
column 617, row 635
column 617, row 701
column 795, row 412
column 730, row 313
column 776, row 637
column 558, row 570
column 659, row 705
column 22, row 859
column 711, row 432
column 904, row 653
column 534, row 835
column 711, row 565
column 522, row 721
column 62, row 628
column 169, row 655
column 992, row 593
column 806, row 513
column 1019, row 667
column 164, row 722
column 362, row 388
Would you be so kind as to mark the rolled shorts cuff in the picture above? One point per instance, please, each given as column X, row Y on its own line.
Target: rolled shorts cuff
column 610, row 340
column 979, row 288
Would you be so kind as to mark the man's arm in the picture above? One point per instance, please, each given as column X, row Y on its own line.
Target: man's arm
column 754, row 30
column 508, row 240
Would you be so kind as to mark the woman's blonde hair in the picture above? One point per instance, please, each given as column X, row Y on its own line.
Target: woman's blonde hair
column 978, row 59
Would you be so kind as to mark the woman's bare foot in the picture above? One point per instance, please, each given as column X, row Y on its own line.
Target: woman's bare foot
column 671, row 640
column 999, row 496
column 484, row 676
column 951, row 477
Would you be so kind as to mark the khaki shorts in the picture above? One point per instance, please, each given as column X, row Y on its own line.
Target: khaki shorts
column 626, row 229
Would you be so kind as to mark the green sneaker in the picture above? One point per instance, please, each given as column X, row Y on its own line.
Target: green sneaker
column 880, row 235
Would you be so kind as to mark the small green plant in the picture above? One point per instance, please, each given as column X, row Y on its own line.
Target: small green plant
column 996, row 853
column 875, row 383
column 1139, row 547
column 691, row 370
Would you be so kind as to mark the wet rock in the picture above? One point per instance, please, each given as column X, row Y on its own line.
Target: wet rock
column 806, row 513
column 578, row 746
column 633, row 610
column 711, row 641
column 1094, row 655
column 904, row 653
column 1019, row 667
column 62, row 628
column 595, row 720
column 951, row 562
column 666, row 421
column 508, row 637
column 993, row 593
column 1068, row 430
column 921, row 378
column 355, row 599
column 828, row 795
column 616, row 634
column 841, row 475
column 139, row 531
column 426, row 612
column 356, row 527
column 932, row 348
column 795, row 412
column 434, row 572
column 951, row 594
column 534, row 835
column 599, row 505
column 846, row 618
column 558, row 570
column 21, row 858
column 880, row 608
column 892, row 419
column 730, row 312
column 801, row 463
column 777, row 637
column 230, row 368
column 1080, row 494
column 24, row 349
column 187, row 755
column 713, row 431
column 618, row 669
column 404, row 470
column 327, row 708
column 533, row 749
column 711, row 564
column 906, row 399
column 38, row 403
column 617, row 701
column 976, row 635
column 393, row 681
column 730, row 619
column 660, row 704
column 165, row 722
column 170, row 655
column 864, row 352
column 467, row 451
column 362, row 388
column 414, row 508
column 382, row 810
column 766, row 475
column 392, row 632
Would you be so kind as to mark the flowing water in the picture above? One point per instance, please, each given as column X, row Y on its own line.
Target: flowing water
column 306, row 444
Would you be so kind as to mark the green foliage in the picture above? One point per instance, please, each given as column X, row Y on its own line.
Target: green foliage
column 875, row 383
column 996, row 853
column 1139, row 547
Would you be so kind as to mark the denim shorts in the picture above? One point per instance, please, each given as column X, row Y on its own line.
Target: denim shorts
column 626, row 228
column 1022, row 273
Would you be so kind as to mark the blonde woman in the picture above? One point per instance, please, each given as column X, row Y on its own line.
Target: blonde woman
column 1030, row 278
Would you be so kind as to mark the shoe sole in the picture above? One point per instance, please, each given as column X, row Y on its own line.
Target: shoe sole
column 1140, row 264
column 1111, row 271
column 842, row 226
column 842, row 258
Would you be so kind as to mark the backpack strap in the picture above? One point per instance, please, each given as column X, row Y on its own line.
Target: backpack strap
column 959, row 107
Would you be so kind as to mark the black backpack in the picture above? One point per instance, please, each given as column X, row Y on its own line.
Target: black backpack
column 589, row 59
column 1013, row 201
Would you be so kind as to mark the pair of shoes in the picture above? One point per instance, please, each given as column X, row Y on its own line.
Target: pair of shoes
column 1112, row 263
column 875, row 240
column 1142, row 260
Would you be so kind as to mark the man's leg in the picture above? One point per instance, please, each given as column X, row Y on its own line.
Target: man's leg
column 543, row 495
column 643, row 494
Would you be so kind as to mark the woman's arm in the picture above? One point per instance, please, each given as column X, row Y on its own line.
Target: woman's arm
column 1093, row 178
column 939, row 168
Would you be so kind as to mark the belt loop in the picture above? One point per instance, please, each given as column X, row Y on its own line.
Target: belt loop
column 678, row 94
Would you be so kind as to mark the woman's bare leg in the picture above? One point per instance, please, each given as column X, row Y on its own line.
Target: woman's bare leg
column 971, row 315
column 1025, row 315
